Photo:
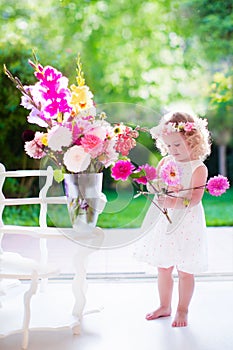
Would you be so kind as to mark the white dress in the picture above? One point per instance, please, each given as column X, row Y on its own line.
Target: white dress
column 181, row 243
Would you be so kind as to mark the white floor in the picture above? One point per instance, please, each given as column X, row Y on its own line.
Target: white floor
column 121, row 323
column 120, row 260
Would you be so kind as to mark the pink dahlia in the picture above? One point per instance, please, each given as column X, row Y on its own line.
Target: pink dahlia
column 217, row 185
column 122, row 170
column 150, row 174
column 170, row 173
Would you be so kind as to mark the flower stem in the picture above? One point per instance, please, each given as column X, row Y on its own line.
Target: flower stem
column 187, row 189
column 163, row 210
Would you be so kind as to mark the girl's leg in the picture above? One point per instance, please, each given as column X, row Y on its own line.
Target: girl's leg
column 165, row 286
column 186, row 287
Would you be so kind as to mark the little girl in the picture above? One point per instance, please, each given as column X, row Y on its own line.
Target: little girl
column 181, row 243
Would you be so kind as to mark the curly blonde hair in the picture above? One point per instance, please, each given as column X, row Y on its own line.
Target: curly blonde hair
column 197, row 136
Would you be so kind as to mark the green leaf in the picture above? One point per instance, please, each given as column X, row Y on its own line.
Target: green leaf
column 58, row 175
column 138, row 174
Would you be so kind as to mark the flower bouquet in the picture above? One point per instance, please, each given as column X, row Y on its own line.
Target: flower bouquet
column 166, row 181
column 78, row 140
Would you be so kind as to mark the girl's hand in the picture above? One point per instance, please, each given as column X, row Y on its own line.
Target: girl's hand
column 175, row 189
column 166, row 201
column 155, row 186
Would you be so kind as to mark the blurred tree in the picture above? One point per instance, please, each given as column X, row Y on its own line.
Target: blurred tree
column 145, row 54
column 13, row 118
column 213, row 23
column 129, row 53
column 221, row 111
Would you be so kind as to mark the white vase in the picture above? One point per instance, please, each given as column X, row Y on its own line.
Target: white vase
column 85, row 199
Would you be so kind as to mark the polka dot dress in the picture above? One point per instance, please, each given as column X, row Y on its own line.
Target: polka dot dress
column 181, row 243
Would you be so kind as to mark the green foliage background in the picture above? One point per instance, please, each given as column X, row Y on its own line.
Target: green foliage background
column 156, row 54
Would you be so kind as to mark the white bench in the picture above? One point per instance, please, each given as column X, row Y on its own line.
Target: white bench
column 12, row 265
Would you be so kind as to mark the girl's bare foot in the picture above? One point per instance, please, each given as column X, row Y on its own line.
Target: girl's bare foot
column 181, row 319
column 160, row 312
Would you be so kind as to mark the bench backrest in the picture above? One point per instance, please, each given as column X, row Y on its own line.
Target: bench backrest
column 42, row 199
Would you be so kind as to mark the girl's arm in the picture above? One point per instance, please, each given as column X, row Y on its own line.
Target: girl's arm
column 199, row 178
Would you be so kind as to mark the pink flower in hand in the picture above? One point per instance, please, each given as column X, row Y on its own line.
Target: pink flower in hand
column 122, row 170
column 150, row 174
column 217, row 185
column 170, row 173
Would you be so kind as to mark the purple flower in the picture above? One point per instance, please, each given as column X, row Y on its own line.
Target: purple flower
column 39, row 118
column 217, row 185
column 122, row 170
column 83, row 204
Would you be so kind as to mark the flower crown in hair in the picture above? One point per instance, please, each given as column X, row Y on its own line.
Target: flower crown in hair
column 166, row 128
